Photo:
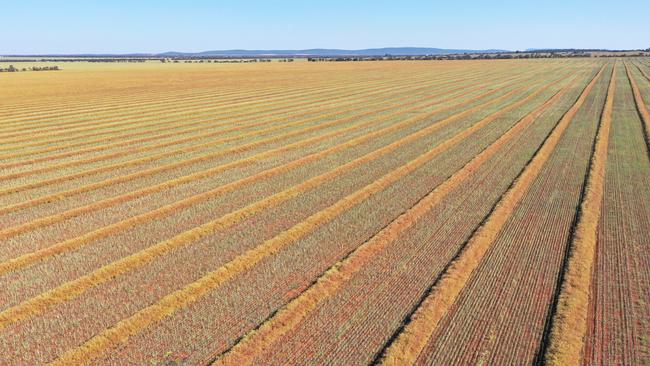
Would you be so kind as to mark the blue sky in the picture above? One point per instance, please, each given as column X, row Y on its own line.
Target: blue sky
column 121, row 26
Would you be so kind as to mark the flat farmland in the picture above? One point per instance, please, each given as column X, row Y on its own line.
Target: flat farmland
column 340, row 213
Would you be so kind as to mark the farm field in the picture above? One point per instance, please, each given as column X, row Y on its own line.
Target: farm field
column 393, row 213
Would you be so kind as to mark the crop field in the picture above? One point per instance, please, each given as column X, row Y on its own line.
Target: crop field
column 492, row 212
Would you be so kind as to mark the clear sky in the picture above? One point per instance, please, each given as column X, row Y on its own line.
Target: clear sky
column 123, row 26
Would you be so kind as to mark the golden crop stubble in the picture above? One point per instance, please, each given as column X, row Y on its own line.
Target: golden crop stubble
column 186, row 162
column 184, row 127
column 258, row 341
column 255, row 108
column 410, row 343
column 255, row 111
column 159, row 169
column 194, row 291
column 172, row 102
column 566, row 343
column 172, row 143
column 161, row 98
column 74, row 243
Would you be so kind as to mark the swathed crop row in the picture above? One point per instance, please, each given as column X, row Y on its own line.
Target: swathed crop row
column 254, row 110
column 335, row 107
column 253, row 104
column 135, row 119
column 167, row 98
column 188, row 127
column 124, row 329
column 368, row 220
column 617, row 320
column 209, row 156
column 408, row 346
column 155, row 214
column 225, row 221
column 117, row 101
column 348, row 324
column 60, row 216
column 213, row 155
column 640, row 105
column 262, row 339
column 642, row 71
column 56, row 324
column 570, row 320
column 182, row 127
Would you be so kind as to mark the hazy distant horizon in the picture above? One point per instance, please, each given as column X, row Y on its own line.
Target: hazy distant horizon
column 121, row 27
column 309, row 52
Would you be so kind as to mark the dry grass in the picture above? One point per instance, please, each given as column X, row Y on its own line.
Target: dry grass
column 408, row 346
column 262, row 339
column 250, row 135
column 194, row 291
column 570, row 322
column 49, row 220
column 190, row 124
column 274, row 173
column 72, row 289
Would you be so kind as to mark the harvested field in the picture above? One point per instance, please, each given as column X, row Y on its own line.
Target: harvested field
column 396, row 212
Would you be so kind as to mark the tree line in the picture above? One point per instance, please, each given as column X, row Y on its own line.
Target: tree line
column 11, row 68
column 467, row 56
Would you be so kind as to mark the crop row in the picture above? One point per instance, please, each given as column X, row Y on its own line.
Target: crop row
column 335, row 108
column 398, row 220
column 135, row 120
column 238, row 215
column 443, row 300
column 199, row 146
column 267, row 85
column 451, row 119
column 286, row 320
column 617, row 317
column 111, row 103
column 351, row 324
column 61, row 216
column 194, row 291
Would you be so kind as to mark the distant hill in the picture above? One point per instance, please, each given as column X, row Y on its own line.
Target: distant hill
column 395, row 51
column 546, row 50
column 321, row 52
